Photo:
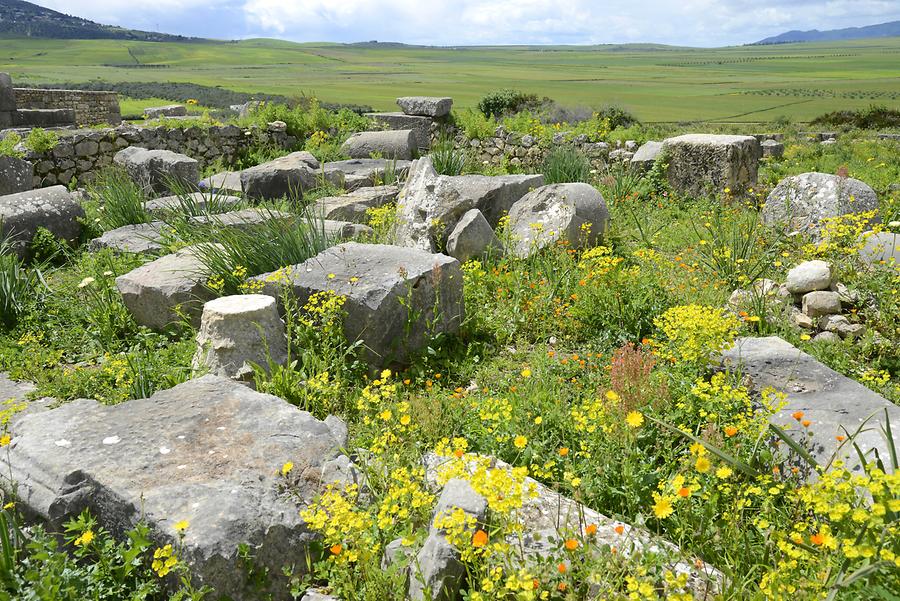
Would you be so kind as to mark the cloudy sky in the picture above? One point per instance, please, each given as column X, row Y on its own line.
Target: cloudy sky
column 458, row 22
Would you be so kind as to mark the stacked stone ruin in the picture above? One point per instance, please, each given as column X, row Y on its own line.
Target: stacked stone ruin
column 60, row 457
column 11, row 115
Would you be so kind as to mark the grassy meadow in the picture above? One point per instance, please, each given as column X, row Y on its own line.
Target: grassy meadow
column 656, row 83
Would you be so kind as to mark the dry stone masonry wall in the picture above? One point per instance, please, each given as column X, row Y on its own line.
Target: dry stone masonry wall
column 91, row 108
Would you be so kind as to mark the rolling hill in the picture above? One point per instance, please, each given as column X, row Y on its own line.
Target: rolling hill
column 20, row 18
column 882, row 30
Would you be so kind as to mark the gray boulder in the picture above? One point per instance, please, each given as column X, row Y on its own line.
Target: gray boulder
column 238, row 331
column 472, row 238
column 16, row 175
column 821, row 302
column 399, row 144
column 430, row 205
column 396, row 298
column 835, row 404
column 646, row 155
column 425, row 106
column 169, row 110
column 354, row 174
column 700, row 164
column 157, row 292
column 7, row 101
column 801, row 202
column 206, row 452
column 574, row 213
column 355, row 205
column 52, row 208
column 285, row 177
column 156, row 169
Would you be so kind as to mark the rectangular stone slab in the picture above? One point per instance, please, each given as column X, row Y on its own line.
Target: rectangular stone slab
column 207, row 451
column 835, row 404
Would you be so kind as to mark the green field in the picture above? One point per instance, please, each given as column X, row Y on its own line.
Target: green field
column 656, row 83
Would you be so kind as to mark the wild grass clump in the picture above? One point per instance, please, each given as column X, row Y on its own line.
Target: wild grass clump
column 447, row 159
column 231, row 254
column 566, row 165
column 117, row 200
column 18, row 283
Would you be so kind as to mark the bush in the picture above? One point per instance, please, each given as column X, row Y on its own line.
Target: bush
column 310, row 117
column 475, row 125
column 566, row 165
column 40, row 140
column 500, row 102
column 874, row 117
column 8, row 145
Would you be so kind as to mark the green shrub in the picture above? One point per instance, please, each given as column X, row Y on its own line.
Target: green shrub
column 309, row 117
column 8, row 145
column 40, row 140
column 565, row 165
column 500, row 102
column 874, row 117
column 475, row 125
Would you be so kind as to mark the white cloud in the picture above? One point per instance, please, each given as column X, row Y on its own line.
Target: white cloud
column 451, row 22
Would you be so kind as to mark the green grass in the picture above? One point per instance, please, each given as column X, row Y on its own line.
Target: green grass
column 656, row 83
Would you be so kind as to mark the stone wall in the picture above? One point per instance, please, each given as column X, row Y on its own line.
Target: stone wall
column 517, row 150
column 81, row 154
column 91, row 108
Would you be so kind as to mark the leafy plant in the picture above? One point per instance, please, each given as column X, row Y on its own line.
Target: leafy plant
column 8, row 145
column 566, row 164
column 41, row 141
column 499, row 102
column 18, row 283
column 447, row 159
column 117, row 200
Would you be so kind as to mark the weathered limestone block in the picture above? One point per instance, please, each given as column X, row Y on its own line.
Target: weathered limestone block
column 195, row 201
column 425, row 106
column 574, row 213
column 808, row 277
column 801, row 202
column 354, row 174
column 16, row 175
column 355, row 205
column 52, row 208
column 206, row 452
column 835, row 404
column 396, row 144
column 420, row 125
column 170, row 110
column 286, row 177
column 472, row 238
column 237, row 331
column 157, row 292
column 700, row 164
column 646, row 155
column 141, row 239
column 396, row 298
column 155, row 169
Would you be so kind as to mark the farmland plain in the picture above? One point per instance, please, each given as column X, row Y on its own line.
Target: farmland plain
column 656, row 83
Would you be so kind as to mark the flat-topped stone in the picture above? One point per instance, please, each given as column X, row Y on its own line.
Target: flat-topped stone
column 396, row 298
column 285, row 177
column 425, row 106
column 701, row 164
column 159, row 292
column 399, row 120
column 207, row 453
column 54, row 208
column 140, row 239
column 646, row 155
column 169, row 110
column 355, row 205
column 835, row 404
column 195, row 201
column 228, row 182
column 360, row 173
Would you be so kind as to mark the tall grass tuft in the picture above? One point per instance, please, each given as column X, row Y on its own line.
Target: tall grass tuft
column 119, row 200
column 230, row 254
column 566, row 165
column 18, row 284
column 447, row 159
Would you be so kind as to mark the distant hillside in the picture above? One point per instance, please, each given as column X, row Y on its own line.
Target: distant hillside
column 19, row 18
column 882, row 30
